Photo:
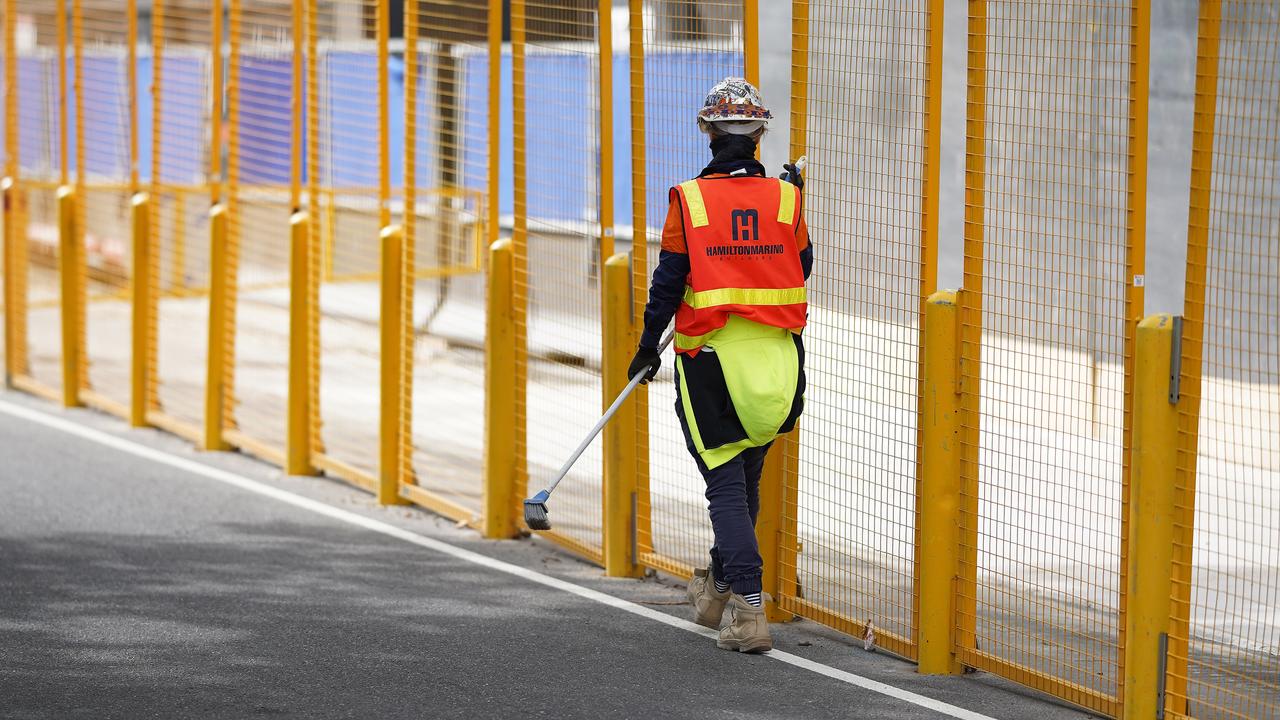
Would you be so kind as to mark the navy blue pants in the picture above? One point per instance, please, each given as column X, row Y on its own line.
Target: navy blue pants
column 733, row 497
column 733, row 489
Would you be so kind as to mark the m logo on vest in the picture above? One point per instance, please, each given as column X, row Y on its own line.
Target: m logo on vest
column 746, row 225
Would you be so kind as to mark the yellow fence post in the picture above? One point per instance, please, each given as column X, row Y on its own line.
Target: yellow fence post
column 391, row 357
column 938, row 501
column 520, row 247
column 139, row 360
column 930, row 198
column 409, row 223
column 640, row 266
column 1136, row 263
column 70, row 279
column 79, row 301
column 6, row 274
column 298, row 417
column 319, row 253
column 11, row 319
column 1152, row 514
column 614, row 327
column 501, row 486
column 13, row 362
column 619, row 496
column 215, row 390
column 15, row 355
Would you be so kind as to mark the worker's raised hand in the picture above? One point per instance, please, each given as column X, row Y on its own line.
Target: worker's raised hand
column 792, row 175
column 794, row 171
column 646, row 361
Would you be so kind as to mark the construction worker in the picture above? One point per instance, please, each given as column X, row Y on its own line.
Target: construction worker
column 734, row 261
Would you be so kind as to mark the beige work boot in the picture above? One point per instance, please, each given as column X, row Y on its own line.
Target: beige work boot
column 748, row 629
column 708, row 605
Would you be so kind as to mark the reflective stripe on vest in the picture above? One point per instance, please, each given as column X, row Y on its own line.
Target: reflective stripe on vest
column 786, row 202
column 697, row 208
column 744, row 296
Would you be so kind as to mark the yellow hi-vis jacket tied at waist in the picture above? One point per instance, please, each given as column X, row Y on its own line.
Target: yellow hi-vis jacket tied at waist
column 741, row 391
column 741, row 237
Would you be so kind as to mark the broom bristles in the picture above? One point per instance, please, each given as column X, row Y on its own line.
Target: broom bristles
column 535, row 516
column 535, row 512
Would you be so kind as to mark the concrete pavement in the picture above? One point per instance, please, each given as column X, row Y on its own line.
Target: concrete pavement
column 133, row 589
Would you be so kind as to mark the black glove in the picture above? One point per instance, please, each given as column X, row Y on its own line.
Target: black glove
column 646, row 361
column 792, row 175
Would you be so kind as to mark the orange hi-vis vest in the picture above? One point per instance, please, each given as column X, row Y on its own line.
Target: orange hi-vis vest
column 740, row 232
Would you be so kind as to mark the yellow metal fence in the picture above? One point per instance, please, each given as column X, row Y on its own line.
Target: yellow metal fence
column 183, row 175
column 263, row 225
column 103, row 185
column 453, row 59
column 865, row 110
column 1223, row 660
column 36, row 106
column 347, row 204
column 561, row 70
column 265, row 66
column 1050, row 300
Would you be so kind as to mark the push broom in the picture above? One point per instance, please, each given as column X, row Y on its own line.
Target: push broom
column 535, row 508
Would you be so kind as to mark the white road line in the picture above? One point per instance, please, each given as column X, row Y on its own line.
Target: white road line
column 315, row 506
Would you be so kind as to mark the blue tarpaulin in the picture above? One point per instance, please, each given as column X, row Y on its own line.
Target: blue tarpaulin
column 351, row 121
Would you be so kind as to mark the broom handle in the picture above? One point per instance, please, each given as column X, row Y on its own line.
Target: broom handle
column 604, row 420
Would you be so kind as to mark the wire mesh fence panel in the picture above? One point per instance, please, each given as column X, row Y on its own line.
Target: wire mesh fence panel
column 867, row 86
column 343, row 164
column 1046, row 253
column 104, row 188
column 1225, row 653
column 38, row 263
column 178, row 161
column 448, row 221
column 43, row 164
column 264, row 188
column 686, row 49
column 104, row 212
column 558, row 270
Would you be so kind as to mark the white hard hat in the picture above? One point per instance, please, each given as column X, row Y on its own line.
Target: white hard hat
column 735, row 107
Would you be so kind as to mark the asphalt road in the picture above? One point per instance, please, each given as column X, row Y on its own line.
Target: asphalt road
column 133, row 589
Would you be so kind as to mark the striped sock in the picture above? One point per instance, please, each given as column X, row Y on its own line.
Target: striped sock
column 753, row 599
column 721, row 586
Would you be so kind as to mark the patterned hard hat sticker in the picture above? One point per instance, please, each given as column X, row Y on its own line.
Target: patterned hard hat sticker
column 734, row 99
